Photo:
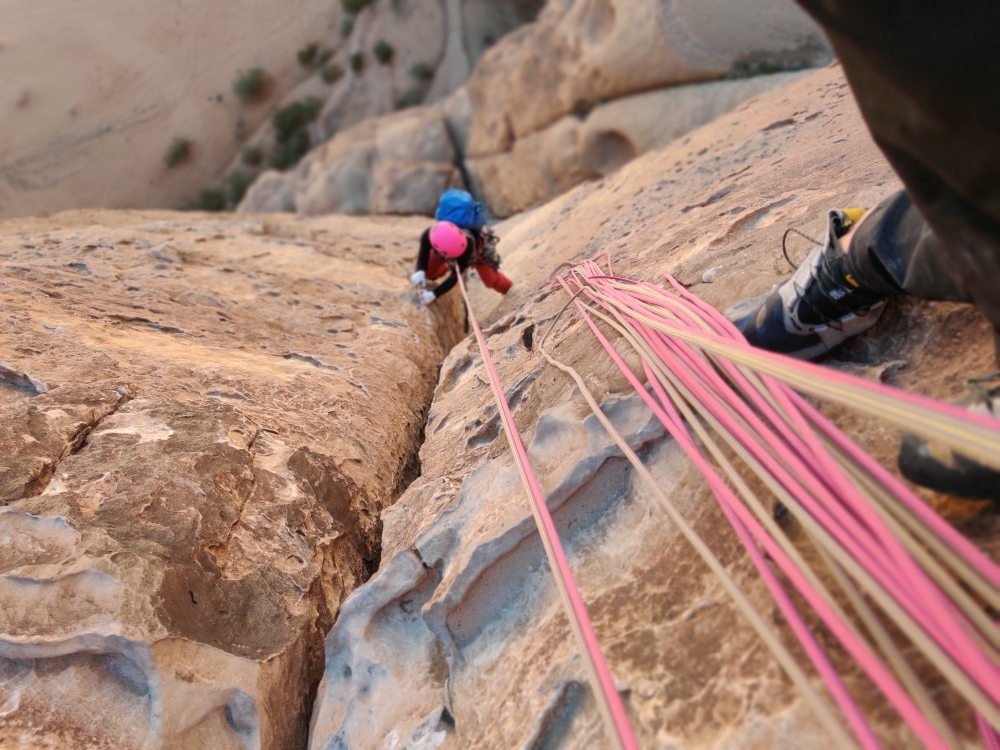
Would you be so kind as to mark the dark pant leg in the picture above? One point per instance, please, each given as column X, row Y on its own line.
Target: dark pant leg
column 926, row 75
column 895, row 251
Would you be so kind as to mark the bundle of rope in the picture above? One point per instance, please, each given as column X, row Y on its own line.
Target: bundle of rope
column 735, row 410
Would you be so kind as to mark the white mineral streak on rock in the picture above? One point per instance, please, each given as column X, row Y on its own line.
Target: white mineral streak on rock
column 137, row 425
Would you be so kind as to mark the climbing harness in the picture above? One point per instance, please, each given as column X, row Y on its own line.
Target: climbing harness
column 733, row 409
column 486, row 250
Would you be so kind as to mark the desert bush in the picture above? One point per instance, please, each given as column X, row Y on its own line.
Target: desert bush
column 346, row 27
column 307, row 55
column 421, row 71
column 311, row 107
column 354, row 6
column 252, row 156
column 357, row 61
column 249, row 84
column 291, row 134
column 324, row 54
column 410, row 98
column 289, row 153
column 383, row 51
column 178, row 152
column 331, row 73
column 288, row 120
column 211, row 200
column 280, row 158
column 236, row 185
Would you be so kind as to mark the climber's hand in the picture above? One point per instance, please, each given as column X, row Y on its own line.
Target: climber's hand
column 426, row 297
column 419, row 279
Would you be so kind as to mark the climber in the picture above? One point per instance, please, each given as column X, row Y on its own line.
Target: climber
column 446, row 244
column 460, row 237
column 928, row 85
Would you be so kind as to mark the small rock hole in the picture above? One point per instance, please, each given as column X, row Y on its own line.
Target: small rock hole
column 528, row 337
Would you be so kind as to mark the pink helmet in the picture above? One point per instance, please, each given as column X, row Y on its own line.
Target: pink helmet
column 448, row 239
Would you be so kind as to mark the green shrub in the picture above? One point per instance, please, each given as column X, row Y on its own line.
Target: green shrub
column 236, row 185
column 178, row 152
column 354, row 6
column 211, row 200
column 279, row 158
column 383, row 51
column 289, row 153
column 410, row 98
column 422, row 71
column 307, row 55
column 249, row 84
column 331, row 73
column 288, row 120
column 252, row 156
column 346, row 27
column 311, row 107
column 357, row 61
column 291, row 134
column 324, row 55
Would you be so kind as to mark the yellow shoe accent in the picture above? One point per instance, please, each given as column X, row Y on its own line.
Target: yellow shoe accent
column 854, row 214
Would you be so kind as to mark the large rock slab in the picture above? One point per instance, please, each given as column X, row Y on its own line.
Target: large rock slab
column 578, row 54
column 398, row 164
column 212, row 416
column 550, row 161
column 459, row 640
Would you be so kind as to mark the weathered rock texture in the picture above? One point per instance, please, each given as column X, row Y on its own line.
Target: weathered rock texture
column 570, row 97
column 212, row 416
column 398, row 164
column 459, row 640
column 435, row 45
column 577, row 54
column 576, row 148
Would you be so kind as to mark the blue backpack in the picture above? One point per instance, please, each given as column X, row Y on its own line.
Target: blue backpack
column 461, row 209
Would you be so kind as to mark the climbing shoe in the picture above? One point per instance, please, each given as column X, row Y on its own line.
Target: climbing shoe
column 937, row 467
column 821, row 305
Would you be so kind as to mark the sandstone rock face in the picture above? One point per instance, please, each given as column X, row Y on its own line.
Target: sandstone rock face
column 459, row 640
column 548, row 162
column 398, row 164
column 578, row 54
column 569, row 97
column 446, row 38
column 435, row 45
column 212, row 416
column 97, row 92
column 94, row 93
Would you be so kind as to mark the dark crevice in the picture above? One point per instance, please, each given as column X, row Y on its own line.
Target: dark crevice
column 74, row 444
column 221, row 549
column 528, row 337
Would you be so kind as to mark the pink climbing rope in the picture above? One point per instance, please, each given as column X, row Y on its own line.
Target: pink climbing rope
column 602, row 683
column 775, row 427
